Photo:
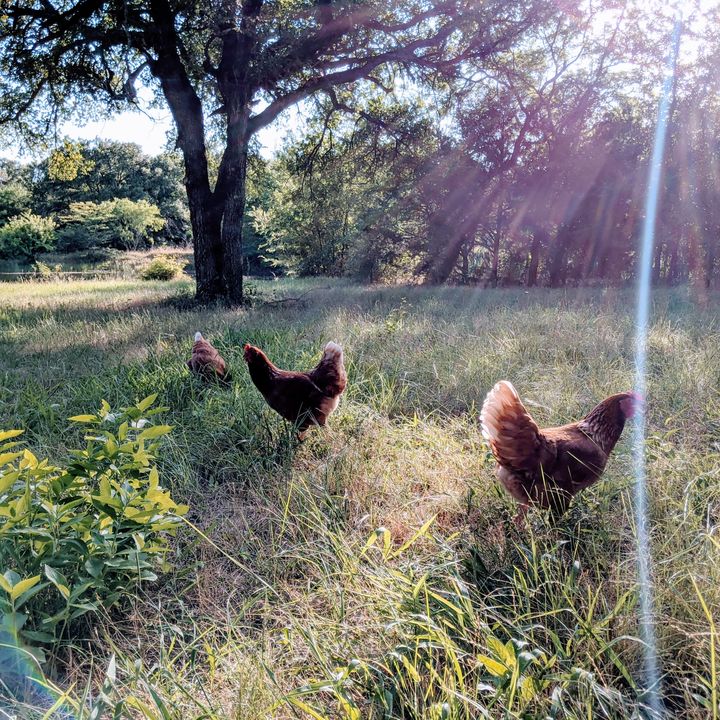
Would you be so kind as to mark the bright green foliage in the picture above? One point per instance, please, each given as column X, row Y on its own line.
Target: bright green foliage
column 26, row 235
column 161, row 269
column 76, row 538
column 118, row 170
column 118, row 223
column 14, row 199
column 346, row 200
column 67, row 162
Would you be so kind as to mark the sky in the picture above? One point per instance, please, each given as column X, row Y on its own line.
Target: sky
column 149, row 129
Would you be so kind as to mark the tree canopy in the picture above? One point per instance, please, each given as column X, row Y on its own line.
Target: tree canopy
column 227, row 69
column 484, row 143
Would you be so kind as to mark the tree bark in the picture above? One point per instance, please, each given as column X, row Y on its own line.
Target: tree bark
column 674, row 267
column 229, row 197
column 657, row 262
column 558, row 266
column 710, row 258
column 539, row 236
column 186, row 109
column 495, row 267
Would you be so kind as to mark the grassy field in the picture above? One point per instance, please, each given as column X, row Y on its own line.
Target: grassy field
column 372, row 571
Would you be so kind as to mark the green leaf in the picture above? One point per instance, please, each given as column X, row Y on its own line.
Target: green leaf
column 146, row 403
column 94, row 565
column 29, row 594
column 8, row 457
column 7, row 434
column 104, row 409
column 492, row 666
column 154, row 432
column 58, row 580
column 12, row 577
column 24, row 585
column 37, row 636
column 504, row 651
column 84, row 419
column 7, row 480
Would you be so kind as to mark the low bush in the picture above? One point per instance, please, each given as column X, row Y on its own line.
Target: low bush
column 76, row 538
column 161, row 269
column 118, row 223
column 26, row 235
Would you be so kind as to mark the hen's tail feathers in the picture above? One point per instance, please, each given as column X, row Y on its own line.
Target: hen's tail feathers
column 333, row 352
column 198, row 336
column 513, row 435
column 329, row 375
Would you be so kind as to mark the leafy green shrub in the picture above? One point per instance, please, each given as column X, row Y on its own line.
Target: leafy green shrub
column 14, row 200
column 75, row 539
column 119, row 223
column 26, row 235
column 161, row 269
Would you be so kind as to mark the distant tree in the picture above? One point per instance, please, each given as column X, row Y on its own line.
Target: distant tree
column 119, row 223
column 104, row 170
column 223, row 60
column 26, row 235
column 342, row 200
column 520, row 122
column 15, row 189
column 165, row 188
column 14, row 199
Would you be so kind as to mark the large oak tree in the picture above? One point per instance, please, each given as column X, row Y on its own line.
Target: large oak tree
column 227, row 68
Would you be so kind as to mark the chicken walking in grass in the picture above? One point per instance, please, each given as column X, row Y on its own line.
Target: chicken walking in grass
column 547, row 467
column 303, row 398
column 206, row 362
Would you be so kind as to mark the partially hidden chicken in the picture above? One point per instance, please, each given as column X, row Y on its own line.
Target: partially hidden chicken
column 547, row 467
column 302, row 398
column 206, row 362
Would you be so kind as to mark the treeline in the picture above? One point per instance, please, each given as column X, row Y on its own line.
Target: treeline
column 90, row 196
column 531, row 171
column 86, row 196
column 535, row 175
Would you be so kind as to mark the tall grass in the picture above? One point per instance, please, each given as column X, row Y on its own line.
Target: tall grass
column 371, row 572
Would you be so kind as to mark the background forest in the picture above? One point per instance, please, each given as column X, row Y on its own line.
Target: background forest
column 529, row 170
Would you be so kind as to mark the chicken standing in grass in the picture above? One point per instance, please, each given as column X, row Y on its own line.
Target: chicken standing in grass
column 206, row 361
column 303, row 398
column 548, row 467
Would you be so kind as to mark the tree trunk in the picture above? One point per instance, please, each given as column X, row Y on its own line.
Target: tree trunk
column 495, row 267
column 231, row 234
column 558, row 263
column 448, row 241
column 187, row 112
column 539, row 236
column 710, row 257
column 657, row 262
column 674, row 267
column 465, row 264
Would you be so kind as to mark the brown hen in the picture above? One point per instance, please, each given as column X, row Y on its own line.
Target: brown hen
column 303, row 398
column 206, row 361
column 548, row 467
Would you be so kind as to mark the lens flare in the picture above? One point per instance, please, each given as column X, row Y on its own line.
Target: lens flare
column 647, row 628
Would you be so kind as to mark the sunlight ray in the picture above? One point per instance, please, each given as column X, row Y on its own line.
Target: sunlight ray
column 647, row 628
